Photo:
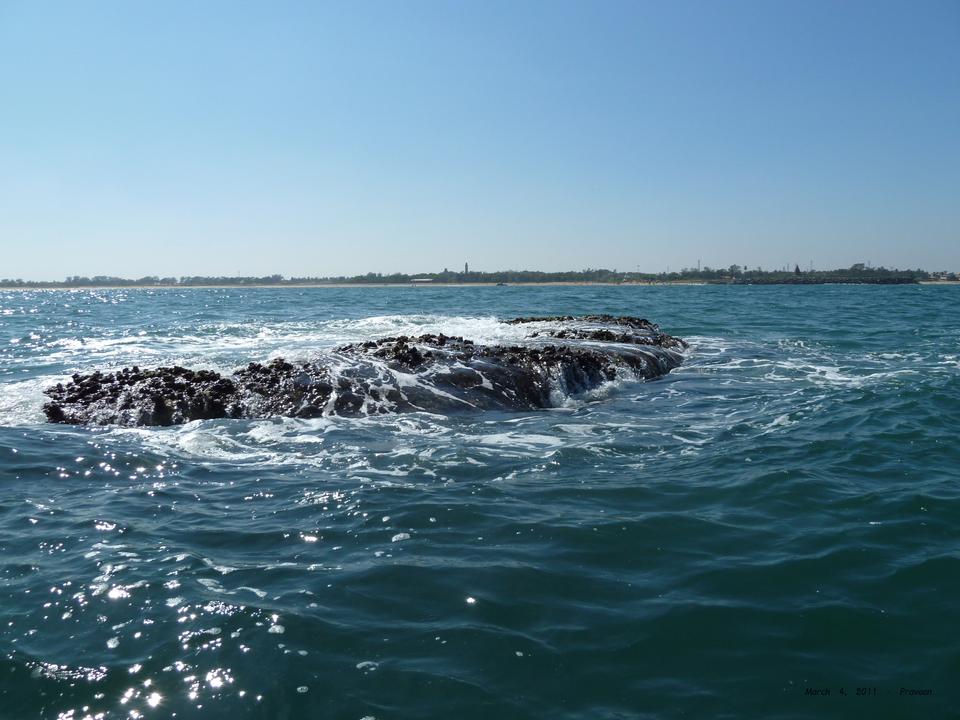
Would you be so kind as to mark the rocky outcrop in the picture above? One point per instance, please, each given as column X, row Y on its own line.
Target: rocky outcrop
column 638, row 331
column 164, row 396
column 560, row 357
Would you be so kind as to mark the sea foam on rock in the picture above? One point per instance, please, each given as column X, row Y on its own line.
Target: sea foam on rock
column 435, row 373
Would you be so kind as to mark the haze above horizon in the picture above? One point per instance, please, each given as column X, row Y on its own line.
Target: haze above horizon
column 320, row 139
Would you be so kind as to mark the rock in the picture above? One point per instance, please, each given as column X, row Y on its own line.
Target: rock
column 435, row 373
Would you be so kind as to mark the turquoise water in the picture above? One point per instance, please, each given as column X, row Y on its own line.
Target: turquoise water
column 780, row 514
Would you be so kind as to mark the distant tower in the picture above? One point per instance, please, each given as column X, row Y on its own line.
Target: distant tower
column 466, row 268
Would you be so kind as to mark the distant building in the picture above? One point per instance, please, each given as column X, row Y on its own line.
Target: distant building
column 466, row 268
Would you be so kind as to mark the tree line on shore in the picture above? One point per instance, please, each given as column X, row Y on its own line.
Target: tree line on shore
column 734, row 274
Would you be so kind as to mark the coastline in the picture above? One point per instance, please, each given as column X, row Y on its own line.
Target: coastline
column 292, row 286
column 571, row 283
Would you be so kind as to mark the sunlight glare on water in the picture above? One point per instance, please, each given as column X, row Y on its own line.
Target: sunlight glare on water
column 778, row 513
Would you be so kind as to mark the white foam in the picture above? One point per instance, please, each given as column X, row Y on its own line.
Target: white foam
column 524, row 441
column 21, row 403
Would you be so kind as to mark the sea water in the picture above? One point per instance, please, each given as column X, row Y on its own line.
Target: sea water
column 772, row 530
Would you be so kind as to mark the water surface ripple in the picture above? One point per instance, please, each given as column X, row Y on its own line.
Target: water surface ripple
column 779, row 514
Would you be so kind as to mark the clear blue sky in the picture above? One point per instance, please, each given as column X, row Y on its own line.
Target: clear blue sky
column 309, row 138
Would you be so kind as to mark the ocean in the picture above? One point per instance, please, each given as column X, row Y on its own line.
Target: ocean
column 771, row 530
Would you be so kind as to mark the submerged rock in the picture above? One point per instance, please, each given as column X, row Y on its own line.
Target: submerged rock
column 561, row 357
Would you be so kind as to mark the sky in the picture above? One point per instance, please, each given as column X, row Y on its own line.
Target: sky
column 318, row 139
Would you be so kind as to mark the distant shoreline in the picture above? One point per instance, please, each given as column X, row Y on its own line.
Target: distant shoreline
column 571, row 283
column 294, row 286
column 856, row 274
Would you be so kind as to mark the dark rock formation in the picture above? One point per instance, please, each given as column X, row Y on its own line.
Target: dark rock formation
column 636, row 331
column 434, row 373
column 164, row 396
column 622, row 320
